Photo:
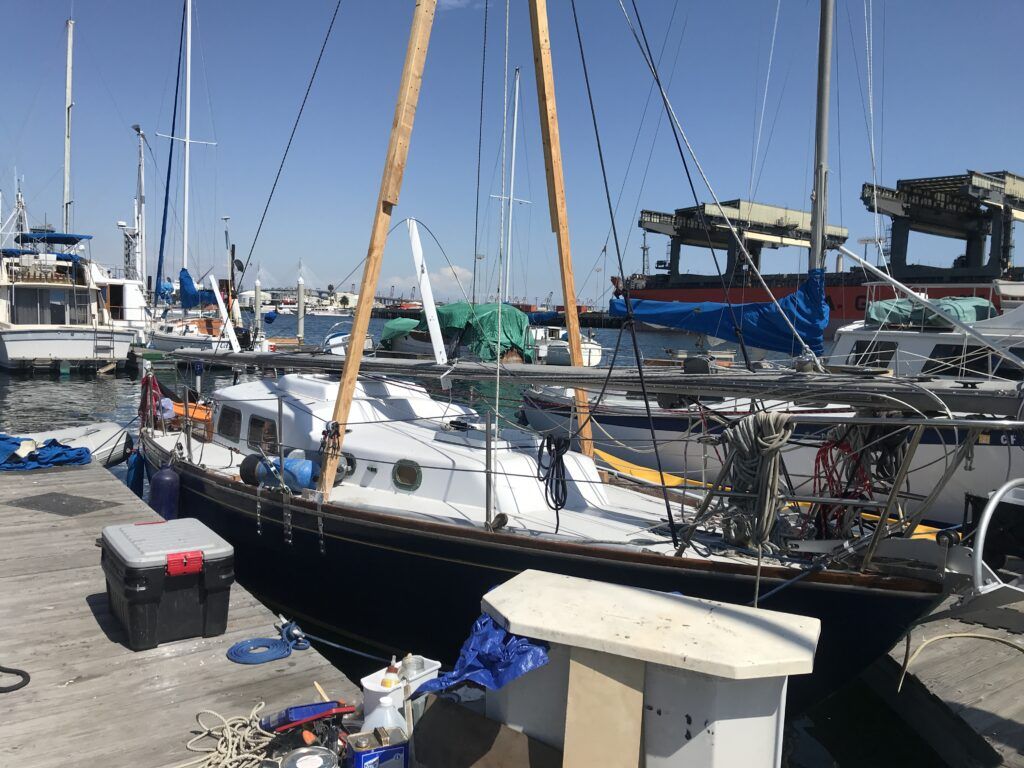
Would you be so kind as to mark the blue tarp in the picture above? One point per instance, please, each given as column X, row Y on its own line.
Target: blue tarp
column 51, row 238
column 544, row 318
column 760, row 322
column 49, row 454
column 190, row 295
column 270, row 317
column 165, row 291
column 490, row 657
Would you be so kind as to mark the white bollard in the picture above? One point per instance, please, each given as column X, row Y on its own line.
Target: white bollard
column 637, row 677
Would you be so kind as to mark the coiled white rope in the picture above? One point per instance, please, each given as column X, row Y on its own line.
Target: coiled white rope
column 241, row 742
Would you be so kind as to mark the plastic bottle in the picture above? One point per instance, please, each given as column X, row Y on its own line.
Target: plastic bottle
column 391, row 679
column 385, row 715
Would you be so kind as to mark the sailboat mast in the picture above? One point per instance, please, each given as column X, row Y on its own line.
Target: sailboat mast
column 819, row 199
column 188, row 128
column 512, row 185
column 390, row 187
column 66, row 201
column 140, row 210
column 556, row 202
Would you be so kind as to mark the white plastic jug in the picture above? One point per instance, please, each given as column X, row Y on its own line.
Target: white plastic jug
column 384, row 715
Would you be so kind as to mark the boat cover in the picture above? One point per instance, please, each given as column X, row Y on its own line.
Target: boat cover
column 165, row 291
column 400, row 326
column 51, row 238
column 966, row 309
column 475, row 326
column 760, row 322
column 49, row 454
column 548, row 317
column 490, row 657
column 190, row 295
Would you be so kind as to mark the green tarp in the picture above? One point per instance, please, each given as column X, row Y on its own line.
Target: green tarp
column 966, row 309
column 395, row 328
column 474, row 326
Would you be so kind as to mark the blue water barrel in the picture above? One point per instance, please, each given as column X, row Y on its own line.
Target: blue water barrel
column 163, row 492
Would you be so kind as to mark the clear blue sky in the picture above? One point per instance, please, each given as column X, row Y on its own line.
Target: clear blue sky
column 943, row 94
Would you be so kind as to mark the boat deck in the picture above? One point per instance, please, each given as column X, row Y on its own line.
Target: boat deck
column 963, row 695
column 91, row 700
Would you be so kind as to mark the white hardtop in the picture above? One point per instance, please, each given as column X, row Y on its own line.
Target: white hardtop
column 147, row 545
column 704, row 636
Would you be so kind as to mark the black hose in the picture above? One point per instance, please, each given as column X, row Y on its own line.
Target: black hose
column 25, row 677
column 552, row 474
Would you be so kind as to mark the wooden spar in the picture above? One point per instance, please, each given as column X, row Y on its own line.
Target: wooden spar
column 390, row 186
column 556, row 201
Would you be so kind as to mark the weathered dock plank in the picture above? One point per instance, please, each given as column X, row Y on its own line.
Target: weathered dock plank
column 964, row 695
column 91, row 700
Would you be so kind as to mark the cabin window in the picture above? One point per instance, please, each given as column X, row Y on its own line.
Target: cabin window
column 262, row 435
column 406, row 475
column 229, row 424
column 872, row 353
column 958, row 360
column 50, row 306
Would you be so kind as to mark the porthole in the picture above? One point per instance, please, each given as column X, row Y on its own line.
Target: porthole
column 406, row 475
column 350, row 464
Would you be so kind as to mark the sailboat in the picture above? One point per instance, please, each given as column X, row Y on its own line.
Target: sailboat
column 317, row 480
column 207, row 329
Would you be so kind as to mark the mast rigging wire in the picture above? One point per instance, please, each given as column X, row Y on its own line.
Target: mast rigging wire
column 680, row 133
column 291, row 137
column 170, row 160
column 479, row 151
column 764, row 102
column 618, row 253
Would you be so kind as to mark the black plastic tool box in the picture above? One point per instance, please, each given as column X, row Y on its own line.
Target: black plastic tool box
column 167, row 580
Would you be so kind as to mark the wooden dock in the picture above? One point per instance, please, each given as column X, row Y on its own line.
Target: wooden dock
column 92, row 701
column 963, row 695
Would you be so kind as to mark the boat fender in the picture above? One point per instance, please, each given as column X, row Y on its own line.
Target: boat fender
column 247, row 469
column 298, row 473
column 163, row 492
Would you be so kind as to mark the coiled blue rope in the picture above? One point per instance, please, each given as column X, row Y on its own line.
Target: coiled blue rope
column 260, row 650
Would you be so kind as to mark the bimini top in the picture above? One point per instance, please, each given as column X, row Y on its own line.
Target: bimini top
column 51, row 238
column 15, row 252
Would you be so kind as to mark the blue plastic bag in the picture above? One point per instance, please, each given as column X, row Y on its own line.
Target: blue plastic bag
column 136, row 473
column 491, row 657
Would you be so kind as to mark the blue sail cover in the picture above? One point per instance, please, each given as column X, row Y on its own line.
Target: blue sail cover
column 760, row 322
column 190, row 295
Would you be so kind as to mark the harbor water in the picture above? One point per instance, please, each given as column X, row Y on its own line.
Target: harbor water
column 832, row 734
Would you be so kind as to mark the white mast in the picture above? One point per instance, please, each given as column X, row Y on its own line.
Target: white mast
column 188, row 126
column 512, row 183
column 140, row 210
column 66, row 203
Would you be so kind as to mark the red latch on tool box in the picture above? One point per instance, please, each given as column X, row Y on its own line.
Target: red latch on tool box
column 184, row 563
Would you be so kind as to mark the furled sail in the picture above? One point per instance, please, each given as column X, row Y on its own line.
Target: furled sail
column 760, row 323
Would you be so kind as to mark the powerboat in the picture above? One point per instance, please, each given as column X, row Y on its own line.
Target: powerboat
column 52, row 312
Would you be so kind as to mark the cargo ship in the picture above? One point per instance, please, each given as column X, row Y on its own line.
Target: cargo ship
column 976, row 208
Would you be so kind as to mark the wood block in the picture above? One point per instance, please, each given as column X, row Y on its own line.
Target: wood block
column 604, row 710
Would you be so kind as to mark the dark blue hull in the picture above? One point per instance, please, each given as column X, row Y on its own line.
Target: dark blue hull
column 393, row 584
